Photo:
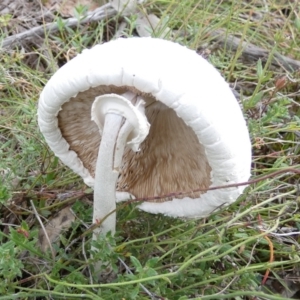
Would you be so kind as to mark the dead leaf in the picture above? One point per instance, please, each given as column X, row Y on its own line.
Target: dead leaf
column 61, row 222
column 151, row 25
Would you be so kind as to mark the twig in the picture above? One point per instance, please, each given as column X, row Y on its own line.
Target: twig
column 227, row 286
column 176, row 194
column 284, row 234
column 251, row 51
column 151, row 295
column 86, row 260
column 98, row 14
column 44, row 229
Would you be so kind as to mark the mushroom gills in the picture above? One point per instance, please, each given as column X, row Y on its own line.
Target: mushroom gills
column 170, row 159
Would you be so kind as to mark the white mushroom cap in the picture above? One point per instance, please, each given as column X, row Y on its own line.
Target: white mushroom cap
column 198, row 137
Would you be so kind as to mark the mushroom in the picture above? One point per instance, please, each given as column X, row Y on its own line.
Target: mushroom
column 95, row 113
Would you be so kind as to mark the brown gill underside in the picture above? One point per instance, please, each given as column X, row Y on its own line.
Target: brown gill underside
column 170, row 160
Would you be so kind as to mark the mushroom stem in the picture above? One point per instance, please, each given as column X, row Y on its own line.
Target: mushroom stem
column 112, row 109
column 106, row 177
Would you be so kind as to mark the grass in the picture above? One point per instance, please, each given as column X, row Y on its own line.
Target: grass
column 247, row 251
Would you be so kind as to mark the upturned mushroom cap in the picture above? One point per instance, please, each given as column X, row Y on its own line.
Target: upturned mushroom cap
column 198, row 137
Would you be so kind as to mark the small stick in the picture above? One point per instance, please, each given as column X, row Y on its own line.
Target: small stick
column 171, row 195
column 44, row 229
column 151, row 295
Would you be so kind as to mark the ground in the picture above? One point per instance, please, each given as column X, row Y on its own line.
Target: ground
column 248, row 251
